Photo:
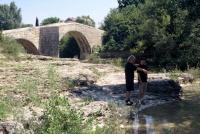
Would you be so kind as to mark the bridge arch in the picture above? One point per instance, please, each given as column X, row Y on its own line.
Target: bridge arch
column 82, row 42
column 44, row 40
column 28, row 46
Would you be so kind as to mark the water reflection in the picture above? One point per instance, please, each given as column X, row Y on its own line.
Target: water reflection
column 177, row 117
column 142, row 123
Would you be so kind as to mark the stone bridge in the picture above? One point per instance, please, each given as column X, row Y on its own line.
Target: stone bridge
column 44, row 40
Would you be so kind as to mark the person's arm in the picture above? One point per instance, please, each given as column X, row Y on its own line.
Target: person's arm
column 141, row 69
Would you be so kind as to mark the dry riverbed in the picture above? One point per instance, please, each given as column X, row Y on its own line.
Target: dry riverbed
column 90, row 88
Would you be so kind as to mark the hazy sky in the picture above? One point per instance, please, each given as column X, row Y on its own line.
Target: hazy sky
column 63, row 9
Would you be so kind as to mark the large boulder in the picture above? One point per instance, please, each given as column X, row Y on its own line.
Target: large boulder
column 166, row 87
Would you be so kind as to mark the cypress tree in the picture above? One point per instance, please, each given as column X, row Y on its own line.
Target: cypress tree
column 37, row 22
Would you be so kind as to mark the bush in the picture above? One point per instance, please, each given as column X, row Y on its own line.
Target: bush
column 2, row 110
column 10, row 47
column 59, row 117
column 119, row 62
column 94, row 58
column 195, row 72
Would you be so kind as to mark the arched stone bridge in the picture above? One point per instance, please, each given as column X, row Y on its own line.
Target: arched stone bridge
column 44, row 40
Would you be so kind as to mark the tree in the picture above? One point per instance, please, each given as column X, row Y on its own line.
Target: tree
column 86, row 20
column 169, row 27
column 10, row 16
column 69, row 47
column 124, row 3
column 50, row 20
column 36, row 22
column 26, row 25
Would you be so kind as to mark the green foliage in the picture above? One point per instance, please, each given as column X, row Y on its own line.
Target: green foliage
column 164, row 30
column 36, row 22
column 60, row 117
column 94, row 58
column 112, row 124
column 86, row 20
column 69, row 47
column 195, row 72
column 3, row 110
column 125, row 3
column 174, row 76
column 97, row 72
column 96, row 49
column 30, row 88
column 26, row 25
column 50, row 20
column 53, row 78
column 119, row 62
column 10, row 16
column 10, row 47
column 87, row 101
column 19, row 68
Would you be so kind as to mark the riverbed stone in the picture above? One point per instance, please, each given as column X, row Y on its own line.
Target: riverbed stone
column 164, row 86
column 11, row 127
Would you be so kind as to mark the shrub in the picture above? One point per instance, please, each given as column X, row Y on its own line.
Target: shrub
column 94, row 58
column 10, row 47
column 2, row 110
column 60, row 117
column 195, row 72
column 119, row 62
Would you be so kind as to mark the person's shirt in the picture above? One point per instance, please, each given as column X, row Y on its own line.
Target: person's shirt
column 129, row 70
column 143, row 76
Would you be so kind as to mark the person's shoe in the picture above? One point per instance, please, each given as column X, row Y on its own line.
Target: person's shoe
column 129, row 103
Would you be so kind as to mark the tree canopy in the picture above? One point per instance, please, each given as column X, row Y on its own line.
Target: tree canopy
column 169, row 28
column 10, row 16
column 26, row 25
column 50, row 20
column 85, row 20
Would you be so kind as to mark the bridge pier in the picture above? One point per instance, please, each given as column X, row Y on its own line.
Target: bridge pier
column 83, row 55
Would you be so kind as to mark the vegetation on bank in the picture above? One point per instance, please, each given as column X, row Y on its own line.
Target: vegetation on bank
column 9, row 47
column 165, row 31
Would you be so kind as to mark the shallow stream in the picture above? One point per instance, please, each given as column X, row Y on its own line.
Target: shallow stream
column 174, row 118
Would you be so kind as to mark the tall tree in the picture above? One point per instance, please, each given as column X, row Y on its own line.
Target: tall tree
column 50, row 20
column 10, row 16
column 36, row 22
column 170, row 28
column 124, row 3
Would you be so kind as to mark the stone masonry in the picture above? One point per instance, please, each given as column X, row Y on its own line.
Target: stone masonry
column 44, row 40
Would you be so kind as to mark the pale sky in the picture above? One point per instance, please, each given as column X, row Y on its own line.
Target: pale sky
column 63, row 9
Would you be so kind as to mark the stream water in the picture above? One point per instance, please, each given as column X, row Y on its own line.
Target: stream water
column 174, row 118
